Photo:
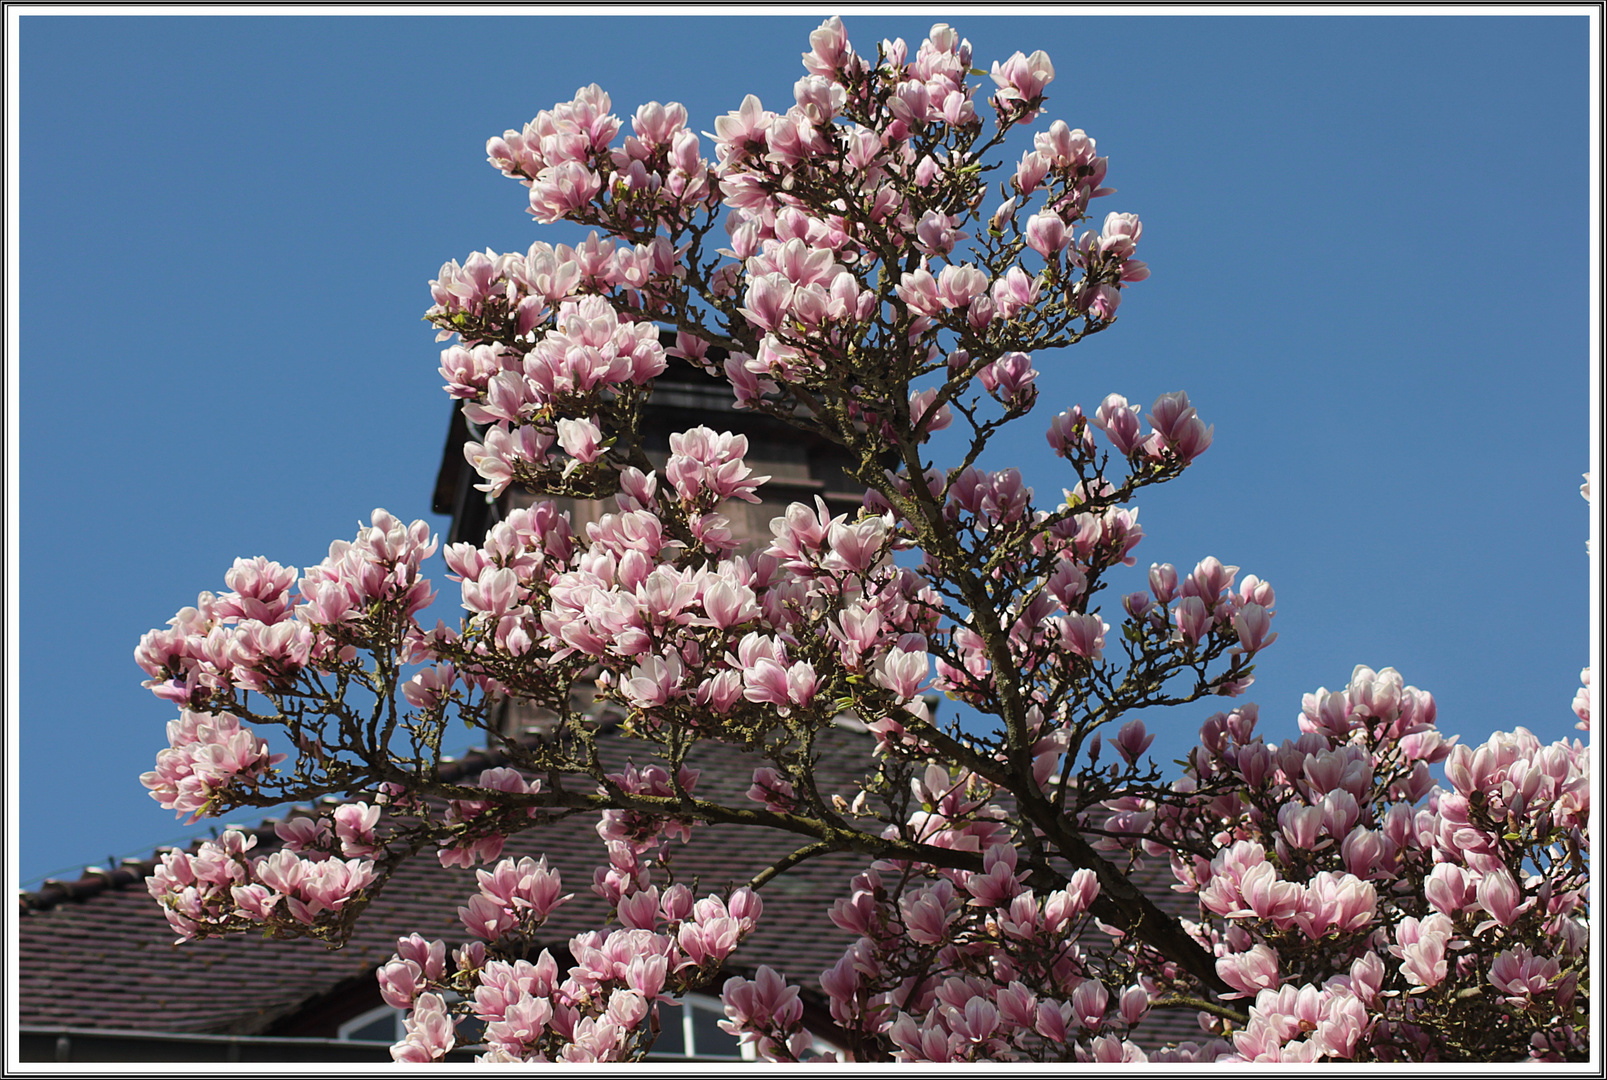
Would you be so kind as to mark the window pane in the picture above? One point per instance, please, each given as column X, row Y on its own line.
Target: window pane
column 671, row 1041
column 707, row 1038
column 471, row 1031
column 379, row 1029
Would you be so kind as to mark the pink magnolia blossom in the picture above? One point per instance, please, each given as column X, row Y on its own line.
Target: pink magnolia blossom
column 1178, row 427
column 1250, row 972
column 829, row 48
column 937, row 234
column 207, row 754
column 1014, row 292
column 1521, row 975
column 1085, row 636
column 354, row 827
column 430, row 1032
column 902, row 672
column 1120, row 234
column 580, row 439
column 1119, row 421
column 1252, row 623
column 562, row 189
column 1021, row 79
column 1046, row 234
column 1132, row 740
column 1088, row 1001
column 1498, row 894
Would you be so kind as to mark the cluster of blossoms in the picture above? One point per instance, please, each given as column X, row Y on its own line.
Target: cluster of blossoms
column 728, row 637
column 885, row 144
column 1175, row 428
column 206, row 754
column 955, row 965
column 260, row 637
column 220, row 889
column 868, row 288
column 1370, row 913
column 605, row 1009
column 473, row 844
column 1362, row 911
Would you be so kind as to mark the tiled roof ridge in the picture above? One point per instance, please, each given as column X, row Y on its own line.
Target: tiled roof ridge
column 98, row 879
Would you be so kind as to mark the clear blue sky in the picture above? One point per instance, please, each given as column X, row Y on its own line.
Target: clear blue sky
column 1371, row 273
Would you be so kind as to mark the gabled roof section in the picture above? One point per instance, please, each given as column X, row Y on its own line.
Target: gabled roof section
column 98, row 953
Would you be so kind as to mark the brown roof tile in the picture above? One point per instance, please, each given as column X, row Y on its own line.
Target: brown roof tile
column 97, row 953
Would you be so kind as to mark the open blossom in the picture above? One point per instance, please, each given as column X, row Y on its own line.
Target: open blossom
column 354, row 828
column 1252, row 623
column 589, row 347
column 1010, row 379
column 1422, row 948
column 655, row 681
column 902, row 672
column 1023, row 78
column 562, row 189
column 760, row 1002
column 703, row 461
column 1498, row 894
column 1085, row 635
column 921, row 404
column 430, row 1032
column 1522, row 975
column 261, row 591
column 1120, row 234
column 1192, row 618
column 1133, row 740
column 1069, row 434
column 1014, row 292
column 937, row 233
column 1178, row 428
column 771, row 789
column 580, row 439
column 1250, row 972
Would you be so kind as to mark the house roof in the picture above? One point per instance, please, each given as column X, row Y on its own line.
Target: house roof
column 97, row 953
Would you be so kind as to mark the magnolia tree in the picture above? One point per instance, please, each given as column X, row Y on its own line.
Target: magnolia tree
column 863, row 266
